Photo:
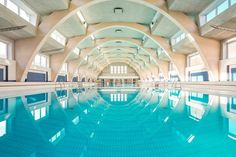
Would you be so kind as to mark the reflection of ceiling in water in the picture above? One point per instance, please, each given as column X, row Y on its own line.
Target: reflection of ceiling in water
column 118, row 96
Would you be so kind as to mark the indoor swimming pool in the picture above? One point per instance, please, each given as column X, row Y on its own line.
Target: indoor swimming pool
column 117, row 122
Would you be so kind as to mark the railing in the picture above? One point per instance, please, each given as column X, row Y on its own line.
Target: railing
column 174, row 85
column 61, row 85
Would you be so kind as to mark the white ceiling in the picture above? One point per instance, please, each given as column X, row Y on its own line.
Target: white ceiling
column 104, row 13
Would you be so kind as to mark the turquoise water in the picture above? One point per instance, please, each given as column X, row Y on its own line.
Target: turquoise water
column 112, row 122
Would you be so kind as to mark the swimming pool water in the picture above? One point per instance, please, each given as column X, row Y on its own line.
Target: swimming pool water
column 111, row 122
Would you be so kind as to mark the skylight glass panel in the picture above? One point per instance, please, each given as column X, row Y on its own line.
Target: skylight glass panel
column 211, row 15
column 223, row 7
column 76, row 51
column 24, row 15
column 58, row 37
column 12, row 6
column 232, row 2
column 2, row 2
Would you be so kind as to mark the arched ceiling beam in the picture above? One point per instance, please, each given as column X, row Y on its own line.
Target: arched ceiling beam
column 26, row 49
column 163, row 65
column 94, row 73
column 143, row 75
column 123, row 51
column 83, row 68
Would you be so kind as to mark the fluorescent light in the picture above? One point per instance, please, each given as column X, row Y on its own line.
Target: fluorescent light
column 81, row 17
column 118, row 31
column 76, row 51
column 58, row 37
column 118, row 10
column 92, row 36
column 86, row 58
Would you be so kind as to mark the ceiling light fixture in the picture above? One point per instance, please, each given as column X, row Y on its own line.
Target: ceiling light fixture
column 76, row 51
column 92, row 37
column 82, row 19
column 118, row 10
column 118, row 31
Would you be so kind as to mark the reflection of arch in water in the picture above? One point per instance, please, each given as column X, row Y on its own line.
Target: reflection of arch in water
column 107, row 95
column 83, row 79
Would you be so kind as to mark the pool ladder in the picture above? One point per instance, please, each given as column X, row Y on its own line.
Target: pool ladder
column 174, row 85
column 61, row 85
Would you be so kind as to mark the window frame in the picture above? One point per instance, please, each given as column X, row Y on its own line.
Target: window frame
column 2, row 55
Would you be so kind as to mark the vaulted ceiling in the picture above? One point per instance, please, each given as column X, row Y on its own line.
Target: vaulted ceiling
column 117, row 42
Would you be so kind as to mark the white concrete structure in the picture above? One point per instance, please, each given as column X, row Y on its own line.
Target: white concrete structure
column 161, row 40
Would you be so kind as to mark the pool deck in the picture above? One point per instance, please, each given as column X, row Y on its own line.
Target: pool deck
column 8, row 89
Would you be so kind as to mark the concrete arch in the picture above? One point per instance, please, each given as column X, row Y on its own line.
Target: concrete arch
column 26, row 49
column 126, row 61
column 178, row 59
column 142, row 74
column 106, row 65
column 163, row 65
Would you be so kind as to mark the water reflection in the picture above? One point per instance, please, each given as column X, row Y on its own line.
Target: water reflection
column 38, row 104
column 127, row 122
column 197, row 104
column 228, row 105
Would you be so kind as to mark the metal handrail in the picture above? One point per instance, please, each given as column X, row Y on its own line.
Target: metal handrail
column 175, row 83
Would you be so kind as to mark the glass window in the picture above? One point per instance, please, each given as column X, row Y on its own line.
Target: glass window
column 233, row 74
column 231, row 48
column 195, row 60
column 222, row 7
column 3, row 50
column 58, row 37
column 28, row 16
column 24, row 15
column 232, row 2
column 211, row 15
column 43, row 61
column 114, row 69
column 118, row 69
column 122, row 69
column 40, row 60
column 64, row 67
column 12, row 6
column 39, row 113
column 111, row 70
column 37, row 60
column 183, row 36
column 64, row 103
column 76, row 51
column 2, row 2
column 199, row 76
column 177, row 39
column 125, row 70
